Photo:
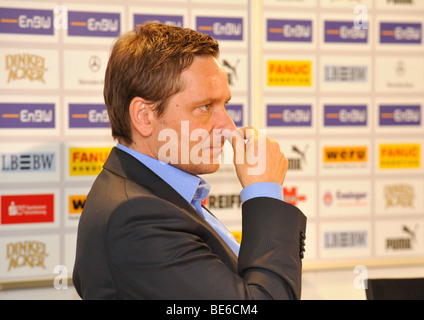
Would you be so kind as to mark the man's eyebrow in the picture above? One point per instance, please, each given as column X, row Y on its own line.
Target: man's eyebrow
column 207, row 100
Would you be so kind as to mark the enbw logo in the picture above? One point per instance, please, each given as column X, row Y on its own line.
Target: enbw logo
column 221, row 28
column 94, row 24
column 25, row 115
column 344, row 32
column 401, row 33
column 289, row 30
column 26, row 21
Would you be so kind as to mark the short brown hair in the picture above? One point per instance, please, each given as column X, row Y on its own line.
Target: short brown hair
column 147, row 62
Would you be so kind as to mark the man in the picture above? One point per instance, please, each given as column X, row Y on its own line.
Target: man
column 143, row 233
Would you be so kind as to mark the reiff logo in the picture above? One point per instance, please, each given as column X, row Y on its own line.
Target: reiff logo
column 344, row 32
column 221, row 28
column 26, row 21
column 289, row 30
column 400, row 33
column 25, row 115
column 94, row 24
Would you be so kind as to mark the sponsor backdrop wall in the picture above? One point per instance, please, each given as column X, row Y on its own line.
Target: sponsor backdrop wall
column 340, row 84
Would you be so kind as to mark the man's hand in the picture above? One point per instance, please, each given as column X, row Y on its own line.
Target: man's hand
column 257, row 158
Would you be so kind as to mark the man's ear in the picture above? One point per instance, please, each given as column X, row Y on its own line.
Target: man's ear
column 140, row 117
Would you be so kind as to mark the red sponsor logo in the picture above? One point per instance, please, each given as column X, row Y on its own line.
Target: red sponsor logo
column 36, row 208
column 291, row 196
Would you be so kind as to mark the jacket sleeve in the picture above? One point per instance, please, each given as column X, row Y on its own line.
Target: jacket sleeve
column 155, row 251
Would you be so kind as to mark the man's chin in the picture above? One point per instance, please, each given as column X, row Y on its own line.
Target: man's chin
column 198, row 169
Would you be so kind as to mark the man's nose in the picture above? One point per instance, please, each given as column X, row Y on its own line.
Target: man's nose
column 224, row 121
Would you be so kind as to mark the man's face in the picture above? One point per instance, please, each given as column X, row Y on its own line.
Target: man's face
column 188, row 132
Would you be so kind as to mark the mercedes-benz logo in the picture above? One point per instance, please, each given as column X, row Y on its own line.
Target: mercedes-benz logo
column 94, row 63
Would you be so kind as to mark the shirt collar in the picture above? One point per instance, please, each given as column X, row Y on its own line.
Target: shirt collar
column 187, row 185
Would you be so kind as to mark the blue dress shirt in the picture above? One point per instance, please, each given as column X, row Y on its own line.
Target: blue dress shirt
column 194, row 190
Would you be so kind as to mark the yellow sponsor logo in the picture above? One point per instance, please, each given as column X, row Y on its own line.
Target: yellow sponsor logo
column 76, row 204
column 87, row 161
column 282, row 73
column 400, row 156
column 237, row 235
column 345, row 154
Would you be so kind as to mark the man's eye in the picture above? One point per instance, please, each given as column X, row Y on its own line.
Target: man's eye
column 206, row 107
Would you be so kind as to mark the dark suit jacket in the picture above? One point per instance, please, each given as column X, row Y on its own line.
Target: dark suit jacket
column 139, row 239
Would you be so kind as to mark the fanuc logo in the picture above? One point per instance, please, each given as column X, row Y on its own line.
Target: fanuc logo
column 283, row 73
column 87, row 161
column 400, row 156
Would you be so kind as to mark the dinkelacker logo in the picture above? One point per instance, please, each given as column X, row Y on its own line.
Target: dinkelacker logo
column 399, row 195
column 400, row 156
column 335, row 115
column 289, row 30
column 344, row 32
column 289, row 73
column 221, row 28
column 25, row 115
column 88, row 116
column 25, row 66
column 87, row 161
column 400, row 33
column 94, row 24
column 26, row 21
column 37, row 208
column 28, row 162
column 28, row 253
column 289, row 115
column 400, row 115
column 175, row 20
